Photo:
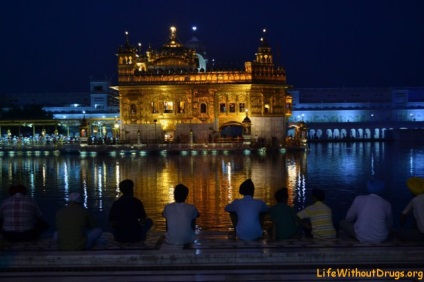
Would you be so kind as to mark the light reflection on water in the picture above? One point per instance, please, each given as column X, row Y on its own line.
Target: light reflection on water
column 213, row 178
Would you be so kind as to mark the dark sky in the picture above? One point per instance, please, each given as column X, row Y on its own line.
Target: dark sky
column 57, row 46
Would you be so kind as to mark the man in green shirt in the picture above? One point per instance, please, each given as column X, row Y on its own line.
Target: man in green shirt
column 76, row 227
column 283, row 217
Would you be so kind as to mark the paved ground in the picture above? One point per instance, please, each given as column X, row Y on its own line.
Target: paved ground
column 213, row 257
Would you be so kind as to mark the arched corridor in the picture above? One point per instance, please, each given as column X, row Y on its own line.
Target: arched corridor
column 345, row 131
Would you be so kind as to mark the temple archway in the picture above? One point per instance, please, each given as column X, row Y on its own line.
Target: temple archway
column 231, row 129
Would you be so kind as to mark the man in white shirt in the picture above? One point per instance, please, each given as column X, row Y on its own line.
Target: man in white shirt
column 180, row 218
column 416, row 206
column 369, row 219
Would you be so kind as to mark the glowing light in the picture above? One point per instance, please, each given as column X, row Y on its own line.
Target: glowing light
column 194, row 28
column 173, row 29
column 264, row 30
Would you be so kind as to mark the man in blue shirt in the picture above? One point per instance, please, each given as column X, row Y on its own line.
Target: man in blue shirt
column 246, row 213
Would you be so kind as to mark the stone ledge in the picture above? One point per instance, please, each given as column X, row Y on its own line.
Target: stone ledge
column 212, row 249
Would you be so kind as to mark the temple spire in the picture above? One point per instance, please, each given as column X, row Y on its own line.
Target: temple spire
column 264, row 54
column 173, row 40
column 127, row 41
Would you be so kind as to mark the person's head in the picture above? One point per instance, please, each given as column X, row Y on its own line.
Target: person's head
column 281, row 195
column 74, row 197
column 180, row 193
column 126, row 187
column 19, row 188
column 375, row 186
column 318, row 195
column 247, row 188
column 415, row 185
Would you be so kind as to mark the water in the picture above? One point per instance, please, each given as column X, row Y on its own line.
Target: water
column 341, row 169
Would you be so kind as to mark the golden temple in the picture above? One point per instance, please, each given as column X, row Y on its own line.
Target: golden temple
column 172, row 94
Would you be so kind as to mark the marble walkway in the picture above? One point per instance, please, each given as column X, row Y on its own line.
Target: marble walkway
column 212, row 257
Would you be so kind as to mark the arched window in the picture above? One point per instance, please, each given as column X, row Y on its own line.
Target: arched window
column 203, row 108
column 168, row 107
column 222, row 108
column 133, row 109
column 181, row 107
column 241, row 107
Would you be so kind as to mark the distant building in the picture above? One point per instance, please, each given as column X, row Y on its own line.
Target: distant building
column 99, row 106
column 334, row 113
column 101, row 102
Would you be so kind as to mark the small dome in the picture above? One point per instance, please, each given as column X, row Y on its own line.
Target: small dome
column 196, row 44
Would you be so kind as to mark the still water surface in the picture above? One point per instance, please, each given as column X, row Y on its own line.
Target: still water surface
column 341, row 169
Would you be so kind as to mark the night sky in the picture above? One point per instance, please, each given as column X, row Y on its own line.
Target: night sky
column 58, row 46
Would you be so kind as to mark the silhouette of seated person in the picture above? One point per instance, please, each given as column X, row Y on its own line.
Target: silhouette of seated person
column 76, row 227
column 20, row 217
column 180, row 218
column 127, row 216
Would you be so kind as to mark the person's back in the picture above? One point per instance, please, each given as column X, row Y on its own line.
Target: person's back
column 320, row 216
column 72, row 223
column 19, row 213
column 128, row 217
column 248, row 212
column 372, row 218
column 417, row 205
column 283, row 216
column 180, row 218
column 369, row 218
column 21, row 216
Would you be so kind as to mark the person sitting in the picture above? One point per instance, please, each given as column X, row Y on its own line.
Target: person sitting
column 247, row 214
column 369, row 218
column 416, row 207
column 180, row 218
column 317, row 219
column 283, row 217
column 76, row 228
column 20, row 217
column 127, row 216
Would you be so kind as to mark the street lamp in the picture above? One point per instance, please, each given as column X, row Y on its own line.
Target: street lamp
column 116, row 128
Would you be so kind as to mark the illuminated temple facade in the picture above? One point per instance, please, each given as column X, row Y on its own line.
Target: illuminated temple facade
column 171, row 94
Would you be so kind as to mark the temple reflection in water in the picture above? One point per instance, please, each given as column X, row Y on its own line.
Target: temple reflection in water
column 341, row 169
column 213, row 179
